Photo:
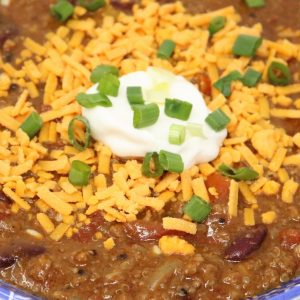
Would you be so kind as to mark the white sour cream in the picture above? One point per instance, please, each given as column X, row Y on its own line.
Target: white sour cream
column 113, row 126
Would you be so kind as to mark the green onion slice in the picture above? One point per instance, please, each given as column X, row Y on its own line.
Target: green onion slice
column 251, row 78
column 279, row 74
column 246, row 45
column 135, row 95
column 217, row 120
column 216, row 24
column 32, row 125
column 93, row 100
column 166, row 49
column 79, row 173
column 62, row 10
column 197, row 209
column 243, row 173
column 177, row 134
column 171, row 161
column 195, row 129
column 109, row 85
column 72, row 137
column 145, row 115
column 178, row 109
column 255, row 3
column 92, row 5
column 147, row 170
column 101, row 70
column 224, row 83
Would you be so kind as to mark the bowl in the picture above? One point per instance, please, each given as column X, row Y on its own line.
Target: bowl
column 287, row 291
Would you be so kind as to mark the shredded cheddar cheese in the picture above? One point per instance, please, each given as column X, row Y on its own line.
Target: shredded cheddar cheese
column 63, row 64
column 109, row 244
column 289, row 189
column 269, row 217
column 180, row 225
column 249, row 219
column 233, row 198
column 170, row 245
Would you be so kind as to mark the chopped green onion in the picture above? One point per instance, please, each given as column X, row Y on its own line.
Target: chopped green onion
column 79, row 173
column 171, row 161
column 145, row 115
column 92, row 5
column 195, row 129
column 109, row 85
column 197, row 209
column 224, row 83
column 178, row 109
column 62, row 10
column 135, row 95
column 246, row 45
column 71, row 133
column 251, row 78
column 243, row 173
column 93, row 100
column 255, row 3
column 217, row 120
column 176, row 134
column 216, row 24
column 32, row 125
column 146, row 167
column 279, row 73
column 166, row 49
column 101, row 70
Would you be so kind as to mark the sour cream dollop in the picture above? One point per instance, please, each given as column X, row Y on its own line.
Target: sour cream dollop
column 113, row 126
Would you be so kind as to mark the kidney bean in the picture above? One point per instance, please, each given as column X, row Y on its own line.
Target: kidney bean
column 246, row 243
column 11, row 253
column 7, row 260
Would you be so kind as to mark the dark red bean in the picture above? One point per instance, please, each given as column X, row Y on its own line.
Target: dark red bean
column 10, row 254
column 246, row 243
column 7, row 260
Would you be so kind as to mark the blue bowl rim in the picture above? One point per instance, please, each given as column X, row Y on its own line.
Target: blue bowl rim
column 287, row 291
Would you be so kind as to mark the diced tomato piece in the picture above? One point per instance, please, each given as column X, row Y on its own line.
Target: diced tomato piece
column 147, row 231
column 204, row 83
column 221, row 184
column 290, row 238
column 86, row 232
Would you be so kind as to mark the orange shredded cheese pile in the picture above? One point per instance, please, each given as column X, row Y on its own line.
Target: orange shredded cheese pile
column 63, row 64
